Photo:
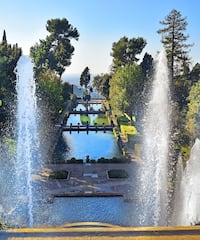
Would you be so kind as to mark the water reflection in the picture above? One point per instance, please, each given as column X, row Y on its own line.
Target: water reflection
column 98, row 209
column 96, row 145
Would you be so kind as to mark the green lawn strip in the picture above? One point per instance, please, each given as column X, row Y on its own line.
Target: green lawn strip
column 101, row 120
column 84, row 119
column 117, row 173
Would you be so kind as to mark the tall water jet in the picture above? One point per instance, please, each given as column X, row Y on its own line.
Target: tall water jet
column 154, row 167
column 189, row 196
column 27, row 140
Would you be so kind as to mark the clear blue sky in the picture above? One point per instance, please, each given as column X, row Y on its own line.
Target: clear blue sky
column 100, row 23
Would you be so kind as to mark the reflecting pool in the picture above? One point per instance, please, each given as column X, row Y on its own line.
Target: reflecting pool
column 93, row 144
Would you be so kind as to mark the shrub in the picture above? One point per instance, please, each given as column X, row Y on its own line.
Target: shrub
column 115, row 132
column 74, row 160
column 60, row 174
column 84, row 119
column 117, row 173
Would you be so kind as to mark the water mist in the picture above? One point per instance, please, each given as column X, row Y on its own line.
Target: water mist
column 189, row 194
column 27, row 140
column 154, row 166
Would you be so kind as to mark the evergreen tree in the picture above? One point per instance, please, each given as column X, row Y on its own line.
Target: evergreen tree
column 147, row 65
column 125, row 50
column 102, row 84
column 55, row 52
column 85, row 77
column 4, row 39
column 174, row 41
column 9, row 56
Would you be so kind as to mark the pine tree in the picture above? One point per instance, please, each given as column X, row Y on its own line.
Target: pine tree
column 174, row 41
column 85, row 77
column 4, row 39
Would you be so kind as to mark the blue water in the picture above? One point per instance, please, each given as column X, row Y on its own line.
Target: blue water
column 89, row 209
column 94, row 144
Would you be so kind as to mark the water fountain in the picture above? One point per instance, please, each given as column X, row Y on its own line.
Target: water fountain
column 154, row 168
column 27, row 139
column 151, row 209
column 188, row 194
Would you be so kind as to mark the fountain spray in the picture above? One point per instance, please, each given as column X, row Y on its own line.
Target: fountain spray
column 27, row 140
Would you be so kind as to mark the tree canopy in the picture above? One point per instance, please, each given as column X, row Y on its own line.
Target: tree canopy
column 102, row 84
column 175, row 41
column 125, row 50
column 193, row 114
column 9, row 56
column 126, row 86
column 55, row 52
column 85, row 77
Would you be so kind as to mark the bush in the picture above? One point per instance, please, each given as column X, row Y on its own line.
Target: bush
column 117, row 173
column 123, row 120
column 112, row 160
column 115, row 132
column 84, row 119
column 74, row 160
column 60, row 174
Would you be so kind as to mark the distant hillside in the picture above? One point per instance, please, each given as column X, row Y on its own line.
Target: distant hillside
column 74, row 79
column 79, row 92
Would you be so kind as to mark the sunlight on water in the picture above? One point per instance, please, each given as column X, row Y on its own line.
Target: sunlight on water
column 154, row 169
column 26, row 130
column 189, row 195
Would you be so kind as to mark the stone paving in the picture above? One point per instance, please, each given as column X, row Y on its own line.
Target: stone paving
column 88, row 180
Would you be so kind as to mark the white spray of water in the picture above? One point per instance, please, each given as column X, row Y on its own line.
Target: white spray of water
column 178, row 203
column 26, row 129
column 189, row 196
column 154, row 169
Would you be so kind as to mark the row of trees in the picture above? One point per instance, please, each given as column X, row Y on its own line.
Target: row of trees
column 9, row 55
column 51, row 55
column 127, row 82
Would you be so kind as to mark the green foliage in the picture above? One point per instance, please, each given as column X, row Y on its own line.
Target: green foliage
column 195, row 73
column 185, row 153
column 125, row 50
column 117, row 173
column 84, row 119
column 85, row 77
column 174, row 41
column 101, row 84
column 101, row 120
column 74, row 160
column 193, row 114
column 126, row 87
column 116, row 132
column 9, row 56
column 147, row 65
column 55, row 52
column 10, row 145
column 66, row 90
column 123, row 120
column 52, row 90
column 60, row 174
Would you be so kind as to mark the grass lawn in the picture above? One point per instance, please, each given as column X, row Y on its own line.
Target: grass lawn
column 84, row 119
column 100, row 120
